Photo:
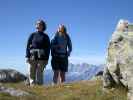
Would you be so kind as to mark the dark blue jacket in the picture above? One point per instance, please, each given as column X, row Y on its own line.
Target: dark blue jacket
column 38, row 40
column 61, row 46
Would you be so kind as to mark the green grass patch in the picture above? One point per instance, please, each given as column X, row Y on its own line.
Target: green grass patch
column 84, row 90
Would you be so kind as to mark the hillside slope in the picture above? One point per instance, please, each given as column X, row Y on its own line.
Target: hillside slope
column 83, row 90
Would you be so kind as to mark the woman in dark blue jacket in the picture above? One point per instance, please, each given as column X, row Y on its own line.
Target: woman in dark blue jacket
column 37, row 53
column 61, row 48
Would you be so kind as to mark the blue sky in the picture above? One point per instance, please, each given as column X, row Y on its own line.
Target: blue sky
column 90, row 24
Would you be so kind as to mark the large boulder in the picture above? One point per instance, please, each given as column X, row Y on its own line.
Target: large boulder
column 119, row 63
column 10, row 75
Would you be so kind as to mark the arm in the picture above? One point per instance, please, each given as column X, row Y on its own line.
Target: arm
column 47, row 47
column 52, row 43
column 29, row 46
column 69, row 44
column 53, row 46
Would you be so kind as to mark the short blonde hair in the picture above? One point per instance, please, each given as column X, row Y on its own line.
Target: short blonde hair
column 122, row 25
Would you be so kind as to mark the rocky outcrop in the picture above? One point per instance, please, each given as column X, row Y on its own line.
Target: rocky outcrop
column 10, row 75
column 119, row 63
column 98, row 76
column 100, row 73
column 12, row 91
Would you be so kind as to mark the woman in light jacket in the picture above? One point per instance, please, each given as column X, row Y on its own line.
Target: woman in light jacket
column 61, row 48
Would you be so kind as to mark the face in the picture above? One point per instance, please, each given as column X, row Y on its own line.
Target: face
column 39, row 27
column 61, row 29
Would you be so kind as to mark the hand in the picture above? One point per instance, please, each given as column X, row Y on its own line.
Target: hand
column 68, row 54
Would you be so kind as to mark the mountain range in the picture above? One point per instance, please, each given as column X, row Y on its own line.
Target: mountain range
column 76, row 72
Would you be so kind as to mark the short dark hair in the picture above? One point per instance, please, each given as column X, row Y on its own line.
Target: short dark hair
column 43, row 24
